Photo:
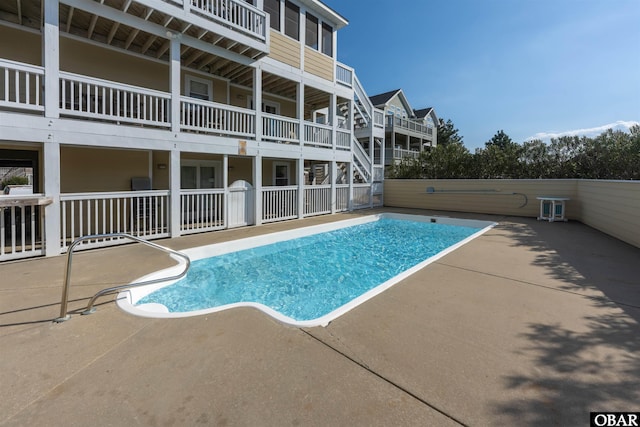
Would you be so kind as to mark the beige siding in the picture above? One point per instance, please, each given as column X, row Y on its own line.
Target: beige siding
column 91, row 60
column 241, row 168
column 26, row 50
column 285, row 49
column 612, row 207
column 318, row 64
column 91, row 169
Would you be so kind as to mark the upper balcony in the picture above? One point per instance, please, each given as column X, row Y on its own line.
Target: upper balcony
column 146, row 26
column 109, row 102
column 409, row 127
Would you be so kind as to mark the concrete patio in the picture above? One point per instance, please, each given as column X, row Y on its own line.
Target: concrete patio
column 533, row 323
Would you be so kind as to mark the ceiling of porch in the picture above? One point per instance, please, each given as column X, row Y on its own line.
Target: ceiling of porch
column 82, row 24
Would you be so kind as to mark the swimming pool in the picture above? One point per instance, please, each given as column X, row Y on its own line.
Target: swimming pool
column 308, row 276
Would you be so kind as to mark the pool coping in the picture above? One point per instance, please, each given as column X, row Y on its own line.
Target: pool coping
column 127, row 299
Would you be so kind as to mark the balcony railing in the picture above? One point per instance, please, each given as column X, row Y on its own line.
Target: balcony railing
column 280, row 129
column 318, row 135
column 397, row 123
column 201, row 210
column 402, row 153
column 279, row 203
column 104, row 101
column 83, row 96
column 21, row 226
column 139, row 213
column 237, row 14
column 20, row 86
column 317, row 199
column 344, row 74
column 211, row 117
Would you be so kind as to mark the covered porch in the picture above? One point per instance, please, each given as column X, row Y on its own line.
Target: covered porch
column 156, row 194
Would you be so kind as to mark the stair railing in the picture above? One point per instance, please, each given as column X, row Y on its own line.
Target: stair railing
column 90, row 308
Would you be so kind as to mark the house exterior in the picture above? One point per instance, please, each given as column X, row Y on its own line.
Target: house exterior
column 407, row 131
column 161, row 118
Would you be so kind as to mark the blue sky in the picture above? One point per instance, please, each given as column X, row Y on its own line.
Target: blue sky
column 534, row 68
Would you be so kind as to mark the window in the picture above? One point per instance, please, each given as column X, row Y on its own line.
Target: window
column 311, row 31
column 281, row 174
column 272, row 7
column 327, row 39
column 200, row 174
column 267, row 106
column 292, row 20
column 198, row 88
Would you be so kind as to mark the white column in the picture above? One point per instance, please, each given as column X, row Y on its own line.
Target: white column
column 300, row 108
column 257, row 102
column 174, row 76
column 257, row 185
column 51, row 58
column 300, row 172
column 333, row 172
column 174, row 194
column 350, row 178
column 225, row 186
column 51, row 155
column 333, row 101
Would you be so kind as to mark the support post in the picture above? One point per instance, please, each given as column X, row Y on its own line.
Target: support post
column 174, row 76
column 257, row 179
column 300, row 179
column 174, row 187
column 52, row 237
column 51, row 58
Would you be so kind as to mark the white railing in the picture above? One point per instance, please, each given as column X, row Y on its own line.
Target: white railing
column 20, row 227
column 362, row 162
column 93, row 98
column 401, row 153
column 362, row 97
column 343, row 140
column 21, row 85
column 378, row 173
column 317, row 199
column 408, row 124
column 361, row 196
column 201, row 210
column 342, row 197
column 344, row 74
column 280, row 129
column 139, row 213
column 318, row 135
column 279, row 203
column 235, row 13
column 211, row 117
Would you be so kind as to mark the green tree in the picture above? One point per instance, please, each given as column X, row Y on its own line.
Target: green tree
column 447, row 133
column 500, row 140
column 452, row 160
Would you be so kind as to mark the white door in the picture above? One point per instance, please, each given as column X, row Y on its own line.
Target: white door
column 241, row 204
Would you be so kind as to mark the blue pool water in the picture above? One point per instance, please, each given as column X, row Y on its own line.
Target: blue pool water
column 308, row 277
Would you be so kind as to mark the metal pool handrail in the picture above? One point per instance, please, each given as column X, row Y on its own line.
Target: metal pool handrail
column 90, row 309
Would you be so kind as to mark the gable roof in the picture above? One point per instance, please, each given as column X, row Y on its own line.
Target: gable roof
column 383, row 98
column 424, row 112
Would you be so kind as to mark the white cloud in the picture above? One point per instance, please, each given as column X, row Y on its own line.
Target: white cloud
column 619, row 125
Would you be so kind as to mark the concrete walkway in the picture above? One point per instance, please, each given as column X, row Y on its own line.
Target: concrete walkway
column 533, row 323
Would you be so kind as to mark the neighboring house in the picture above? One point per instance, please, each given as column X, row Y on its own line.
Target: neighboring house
column 408, row 131
column 166, row 117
